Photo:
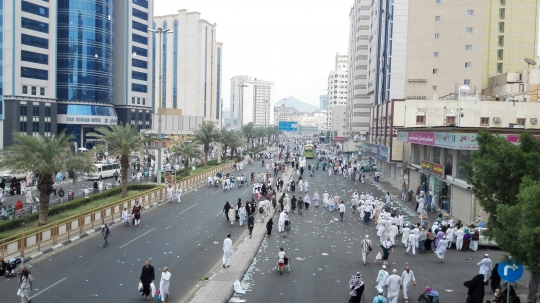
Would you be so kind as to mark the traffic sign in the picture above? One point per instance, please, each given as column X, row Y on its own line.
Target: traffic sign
column 290, row 126
column 510, row 271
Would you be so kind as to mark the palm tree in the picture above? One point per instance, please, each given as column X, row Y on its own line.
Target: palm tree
column 122, row 139
column 206, row 134
column 229, row 139
column 187, row 151
column 248, row 131
column 260, row 133
column 45, row 157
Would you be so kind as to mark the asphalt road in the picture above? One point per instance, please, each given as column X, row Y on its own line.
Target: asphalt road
column 186, row 237
column 325, row 253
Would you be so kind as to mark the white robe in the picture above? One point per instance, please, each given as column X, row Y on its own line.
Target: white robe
column 281, row 224
column 407, row 279
column 242, row 214
column 381, row 278
column 441, row 249
column 393, row 282
column 405, row 237
column 178, row 194
column 392, row 233
column 485, row 266
column 164, row 284
column 227, row 251
column 325, row 199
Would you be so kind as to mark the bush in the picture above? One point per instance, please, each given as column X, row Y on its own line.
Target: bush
column 180, row 173
column 58, row 209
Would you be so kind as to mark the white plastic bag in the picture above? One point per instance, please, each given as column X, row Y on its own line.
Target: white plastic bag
column 140, row 288
column 153, row 288
column 379, row 256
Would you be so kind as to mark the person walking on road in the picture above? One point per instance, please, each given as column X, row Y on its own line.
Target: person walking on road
column 367, row 247
column 106, row 234
column 412, row 244
column 357, row 288
column 164, row 284
column 227, row 251
column 251, row 224
column 178, row 194
column 341, row 211
column 147, row 277
column 393, row 284
column 136, row 212
column 242, row 214
column 441, row 248
column 170, row 193
column 386, row 246
column 485, row 266
column 316, row 198
column 125, row 217
column 380, row 298
column 282, row 218
column 407, row 280
column 25, row 285
column 232, row 215
column 381, row 278
column 226, row 209
column 269, row 226
column 281, row 260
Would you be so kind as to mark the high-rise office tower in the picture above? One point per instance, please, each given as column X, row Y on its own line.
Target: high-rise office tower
column 255, row 96
column 236, row 89
column 323, row 101
column 337, row 95
column 191, row 65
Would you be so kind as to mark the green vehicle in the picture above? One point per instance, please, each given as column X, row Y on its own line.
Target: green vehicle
column 309, row 152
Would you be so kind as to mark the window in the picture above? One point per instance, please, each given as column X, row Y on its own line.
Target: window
column 42, row 91
column 147, row 117
column 501, row 13
column 484, row 121
column 25, row 89
column 434, row 87
column 499, row 67
column 139, row 63
column 141, row 3
column 450, row 121
column 420, row 120
column 22, row 111
column 35, row 127
column 501, row 27
column 34, row 25
column 437, row 1
column 520, row 121
column 34, row 73
column 436, row 36
column 467, row 82
column 468, row 47
column 462, row 156
column 501, row 40
column 500, row 54
column 435, row 70
column 436, row 54
column 22, row 127
column 138, row 88
column 437, row 18
column 139, row 51
column 140, row 116
column 140, row 14
column 139, row 39
column 132, row 100
column 502, row 2
column 132, row 116
column 138, row 100
column 139, row 76
column 139, row 26
column 470, row 12
column 34, row 57
column 47, row 127
column 144, row 101
column 467, row 64
column 47, row 111
column 35, row 9
column 34, row 41
column 469, row 30
column 33, row 90
column 35, row 111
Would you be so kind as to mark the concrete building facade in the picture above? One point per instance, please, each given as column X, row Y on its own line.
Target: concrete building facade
column 323, row 101
column 515, row 87
column 235, row 97
column 255, row 97
column 337, row 94
column 191, row 70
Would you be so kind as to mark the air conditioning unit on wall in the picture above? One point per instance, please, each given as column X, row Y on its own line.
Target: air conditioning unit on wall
column 496, row 119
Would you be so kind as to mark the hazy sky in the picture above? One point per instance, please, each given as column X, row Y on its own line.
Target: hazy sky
column 290, row 42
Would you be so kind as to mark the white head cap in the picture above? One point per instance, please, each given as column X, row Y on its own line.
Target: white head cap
column 394, row 271
column 384, row 266
column 367, row 236
column 380, row 290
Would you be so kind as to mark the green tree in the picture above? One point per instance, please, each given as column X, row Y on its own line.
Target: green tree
column 206, row 134
column 260, row 133
column 121, row 139
column 229, row 139
column 45, row 157
column 505, row 178
column 248, row 131
column 187, row 151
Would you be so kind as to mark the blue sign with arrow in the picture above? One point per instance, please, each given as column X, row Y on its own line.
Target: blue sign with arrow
column 510, row 271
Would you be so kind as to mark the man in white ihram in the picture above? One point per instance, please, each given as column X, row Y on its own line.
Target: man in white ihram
column 485, row 266
column 164, row 284
column 178, row 194
column 227, row 250
column 407, row 280
column 394, row 284
column 281, row 224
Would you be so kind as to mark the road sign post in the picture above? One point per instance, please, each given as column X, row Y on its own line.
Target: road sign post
column 510, row 271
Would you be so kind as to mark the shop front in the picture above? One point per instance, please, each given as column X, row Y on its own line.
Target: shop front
column 387, row 168
column 432, row 178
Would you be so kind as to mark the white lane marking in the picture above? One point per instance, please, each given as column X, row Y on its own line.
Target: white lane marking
column 188, row 208
column 217, row 191
column 136, row 238
column 219, row 213
column 44, row 290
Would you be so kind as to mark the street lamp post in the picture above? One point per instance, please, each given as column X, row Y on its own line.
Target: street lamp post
column 159, row 31
column 220, row 127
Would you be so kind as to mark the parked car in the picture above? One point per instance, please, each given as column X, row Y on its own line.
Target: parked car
column 484, row 241
column 9, row 174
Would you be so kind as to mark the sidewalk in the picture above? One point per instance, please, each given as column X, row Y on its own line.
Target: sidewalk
column 219, row 288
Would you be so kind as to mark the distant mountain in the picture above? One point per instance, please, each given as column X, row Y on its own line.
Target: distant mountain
column 297, row 104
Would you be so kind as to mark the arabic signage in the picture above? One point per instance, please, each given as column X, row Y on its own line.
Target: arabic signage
column 434, row 168
column 460, row 141
column 378, row 151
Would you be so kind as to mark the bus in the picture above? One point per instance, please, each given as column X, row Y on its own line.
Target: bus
column 104, row 171
column 309, row 152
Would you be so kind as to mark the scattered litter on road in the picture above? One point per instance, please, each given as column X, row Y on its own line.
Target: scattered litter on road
column 324, row 254
column 299, row 259
column 448, row 290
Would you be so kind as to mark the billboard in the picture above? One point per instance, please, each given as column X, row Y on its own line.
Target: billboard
column 288, row 126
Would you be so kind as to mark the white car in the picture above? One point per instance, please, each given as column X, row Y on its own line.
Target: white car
column 9, row 174
column 484, row 241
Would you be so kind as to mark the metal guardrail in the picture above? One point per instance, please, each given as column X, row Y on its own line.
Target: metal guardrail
column 36, row 240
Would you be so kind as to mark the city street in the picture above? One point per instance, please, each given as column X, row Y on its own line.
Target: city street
column 186, row 237
column 325, row 253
